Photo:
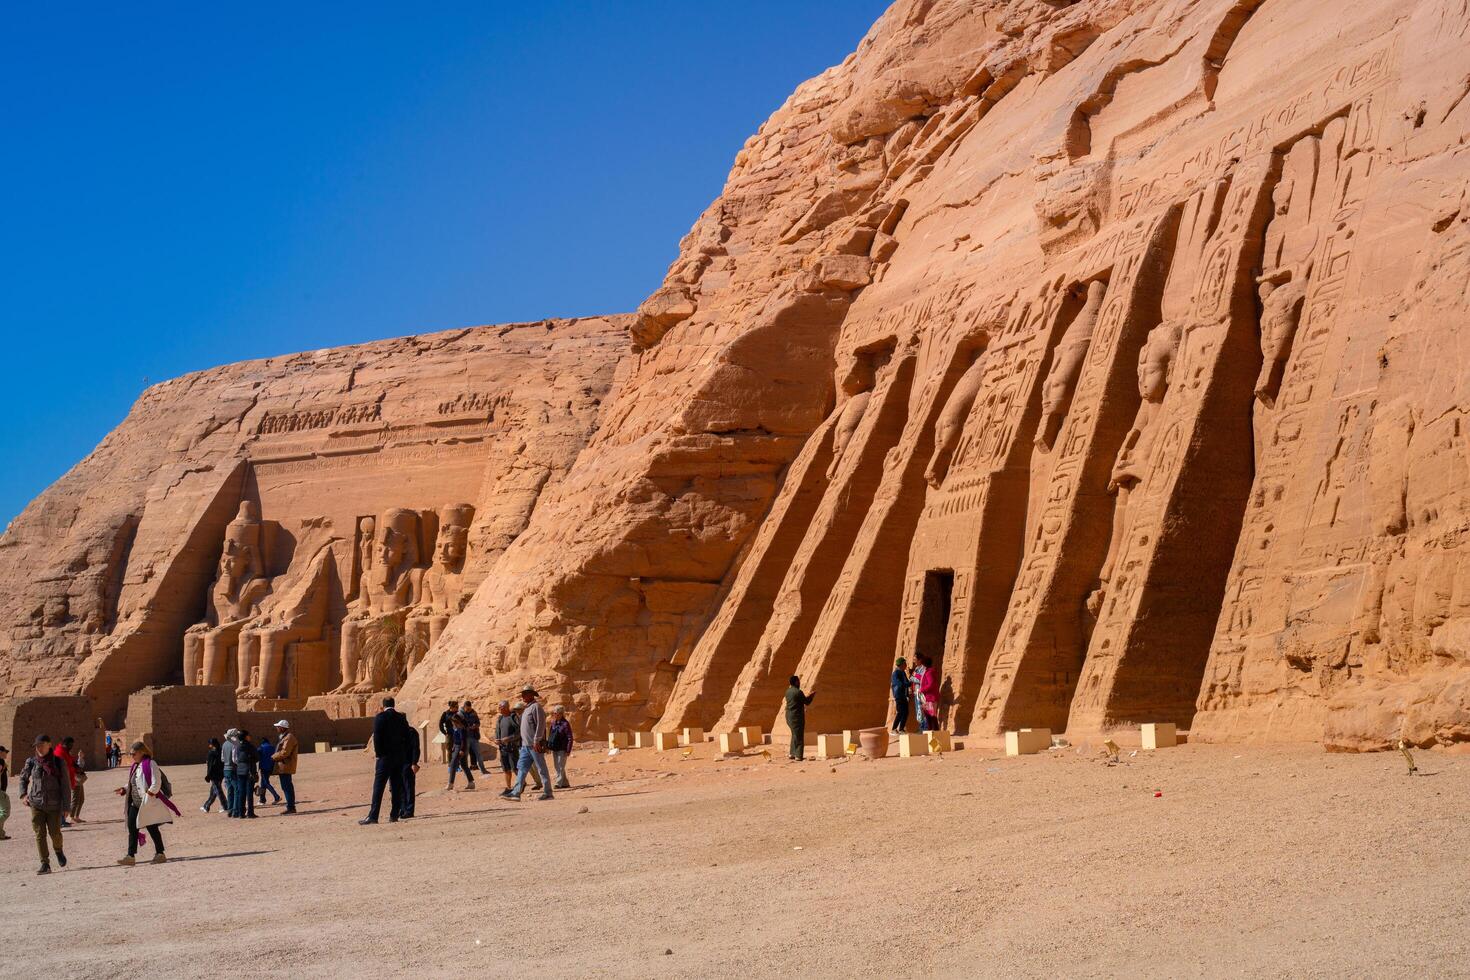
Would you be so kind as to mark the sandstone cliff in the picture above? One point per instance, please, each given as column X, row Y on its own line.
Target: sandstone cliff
column 1107, row 353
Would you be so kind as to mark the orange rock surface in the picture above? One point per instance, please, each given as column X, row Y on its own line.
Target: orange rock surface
column 1109, row 353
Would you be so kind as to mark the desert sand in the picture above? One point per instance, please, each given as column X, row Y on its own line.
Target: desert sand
column 1253, row 861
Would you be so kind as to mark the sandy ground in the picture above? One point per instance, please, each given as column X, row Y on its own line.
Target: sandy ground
column 1253, row 862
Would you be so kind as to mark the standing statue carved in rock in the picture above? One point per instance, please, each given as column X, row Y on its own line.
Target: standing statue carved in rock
column 442, row 593
column 373, row 635
column 1155, row 370
column 236, row 595
column 1066, row 367
column 951, row 424
column 857, row 389
column 1283, row 294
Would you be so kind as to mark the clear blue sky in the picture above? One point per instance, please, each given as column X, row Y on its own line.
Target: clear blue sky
column 186, row 185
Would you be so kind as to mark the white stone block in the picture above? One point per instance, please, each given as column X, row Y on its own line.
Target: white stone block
column 664, row 741
column 829, row 747
column 1028, row 741
column 618, row 740
column 912, row 744
column 1160, row 735
column 693, row 736
column 731, row 742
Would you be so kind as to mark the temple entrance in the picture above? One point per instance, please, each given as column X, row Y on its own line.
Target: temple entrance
column 934, row 626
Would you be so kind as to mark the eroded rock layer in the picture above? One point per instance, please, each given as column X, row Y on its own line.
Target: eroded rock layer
column 1108, row 353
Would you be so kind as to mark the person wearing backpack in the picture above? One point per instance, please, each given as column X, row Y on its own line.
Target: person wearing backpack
column 46, row 789
column 559, row 740
column 214, row 774
column 229, row 754
column 267, row 763
column 146, row 804
column 247, row 774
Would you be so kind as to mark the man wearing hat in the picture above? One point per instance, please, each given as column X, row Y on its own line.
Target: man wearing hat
column 46, row 789
column 230, row 758
column 284, row 758
column 533, row 746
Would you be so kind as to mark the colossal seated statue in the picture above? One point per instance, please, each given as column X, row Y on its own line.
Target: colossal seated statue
column 235, row 596
column 441, row 593
column 374, row 639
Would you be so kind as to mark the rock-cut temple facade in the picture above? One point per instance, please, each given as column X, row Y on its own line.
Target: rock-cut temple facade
column 1112, row 354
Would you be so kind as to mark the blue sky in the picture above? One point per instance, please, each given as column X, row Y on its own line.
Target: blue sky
column 186, row 185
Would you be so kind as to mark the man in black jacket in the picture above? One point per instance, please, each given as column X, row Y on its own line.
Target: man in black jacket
column 391, row 736
column 410, row 774
column 446, row 727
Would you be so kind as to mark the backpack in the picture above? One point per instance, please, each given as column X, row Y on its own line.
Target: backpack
column 164, row 788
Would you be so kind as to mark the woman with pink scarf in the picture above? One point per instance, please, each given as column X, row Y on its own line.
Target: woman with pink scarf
column 146, row 805
column 929, row 694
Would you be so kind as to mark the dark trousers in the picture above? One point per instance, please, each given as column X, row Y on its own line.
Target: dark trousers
column 410, row 789
column 133, row 832
column 217, row 792
column 44, row 823
column 389, row 773
column 900, row 713
column 288, row 786
column 241, row 799
column 798, row 738
column 266, row 787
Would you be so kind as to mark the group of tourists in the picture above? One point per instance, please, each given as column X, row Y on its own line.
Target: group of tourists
column 52, row 787
column 915, row 688
column 111, row 751
column 239, row 771
column 522, row 739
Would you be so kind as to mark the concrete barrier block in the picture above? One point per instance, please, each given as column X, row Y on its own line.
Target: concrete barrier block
column 912, row 744
column 323, row 746
column 940, row 741
column 830, row 747
column 1160, row 735
column 617, row 740
column 731, row 742
column 664, row 741
column 642, row 740
column 752, row 734
column 1028, row 741
column 693, row 736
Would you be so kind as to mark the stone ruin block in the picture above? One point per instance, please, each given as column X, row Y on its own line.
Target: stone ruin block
column 664, row 741
column 731, row 742
column 693, row 736
column 1028, row 741
column 940, row 741
column 323, row 746
column 912, row 744
column 22, row 719
column 752, row 734
column 618, row 740
column 1160, row 735
column 642, row 740
column 830, row 747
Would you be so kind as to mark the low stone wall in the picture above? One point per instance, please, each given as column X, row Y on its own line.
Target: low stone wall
column 22, row 719
column 177, row 722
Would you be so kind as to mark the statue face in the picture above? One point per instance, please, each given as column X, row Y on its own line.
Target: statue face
column 1153, row 368
column 390, row 549
column 451, row 546
column 235, row 561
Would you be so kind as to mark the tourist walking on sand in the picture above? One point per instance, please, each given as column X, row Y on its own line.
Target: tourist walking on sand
column 214, row 775
column 472, row 737
column 507, row 741
column 446, row 726
column 533, row 746
column 247, row 765
column 392, row 736
column 796, row 703
column 458, row 756
column 228, row 756
column 898, row 685
column 145, row 805
column 559, row 740
column 62, row 751
column 929, row 691
column 283, row 762
column 79, row 789
column 266, row 759
column 45, row 788
column 4, row 790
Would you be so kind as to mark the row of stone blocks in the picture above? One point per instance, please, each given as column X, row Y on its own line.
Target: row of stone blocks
column 730, row 742
column 1029, row 741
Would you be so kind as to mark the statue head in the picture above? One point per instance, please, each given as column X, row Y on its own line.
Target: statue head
column 454, row 531
column 398, row 540
column 241, row 555
column 1156, row 361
